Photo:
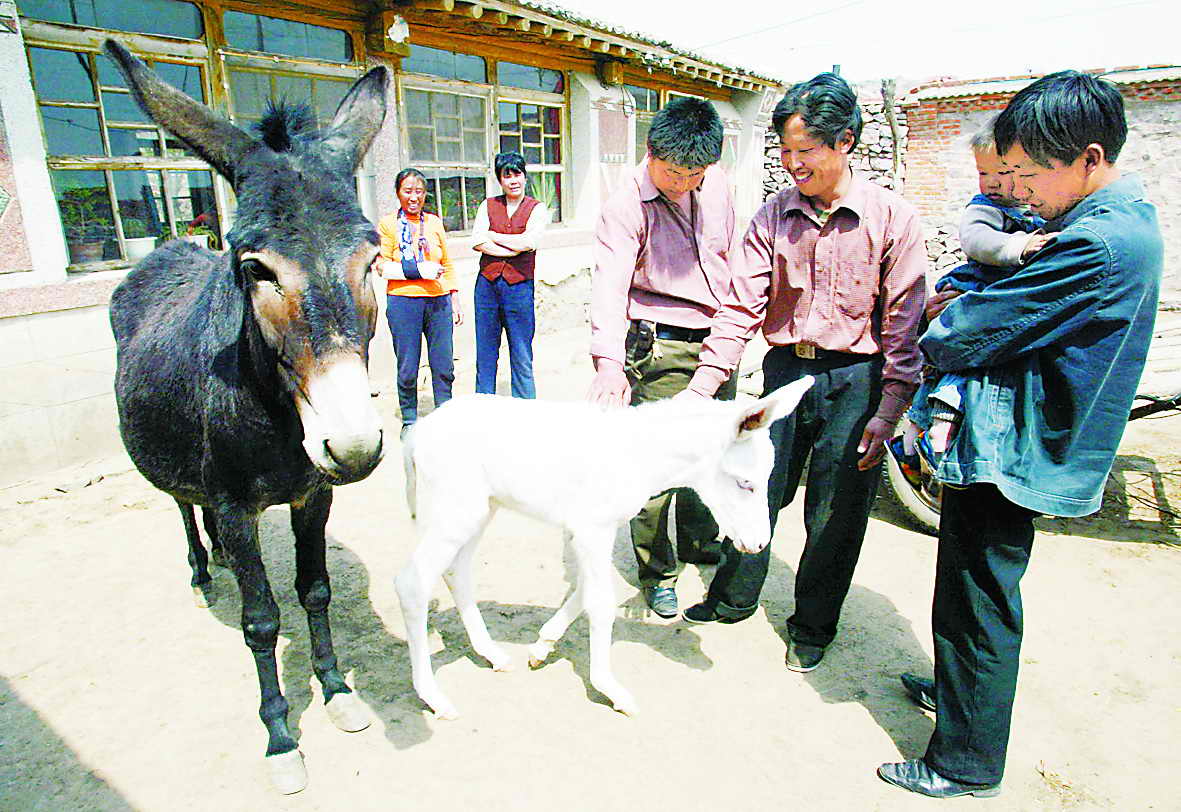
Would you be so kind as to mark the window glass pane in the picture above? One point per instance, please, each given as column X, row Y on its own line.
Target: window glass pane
column 529, row 77
column 475, row 190
column 186, row 78
column 510, row 143
column 472, row 110
column 422, row 145
column 85, row 209
column 121, row 107
column 249, row 93
column 444, row 104
column 532, row 155
column 448, row 151
column 473, row 147
column 447, row 64
column 71, row 131
column 508, row 117
column 643, row 124
column 168, row 17
column 447, row 127
column 418, row 107
column 192, row 197
column 531, row 135
column 328, row 95
column 553, row 150
column 253, row 32
column 551, row 120
column 61, row 75
column 139, row 143
column 450, row 203
column 547, row 188
column 530, row 114
column 293, row 89
column 140, row 196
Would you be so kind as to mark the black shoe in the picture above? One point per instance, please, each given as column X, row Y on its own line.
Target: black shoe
column 802, row 657
column 916, row 776
column 705, row 612
column 662, row 600
column 921, row 691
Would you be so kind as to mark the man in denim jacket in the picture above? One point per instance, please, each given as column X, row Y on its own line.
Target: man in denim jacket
column 1052, row 357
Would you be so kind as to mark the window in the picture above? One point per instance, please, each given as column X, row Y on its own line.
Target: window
column 445, row 64
column 120, row 181
column 530, row 78
column 253, row 32
column 647, row 102
column 535, row 130
column 170, row 18
column 251, row 89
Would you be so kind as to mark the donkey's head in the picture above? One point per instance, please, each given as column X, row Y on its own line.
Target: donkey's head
column 732, row 482
column 300, row 250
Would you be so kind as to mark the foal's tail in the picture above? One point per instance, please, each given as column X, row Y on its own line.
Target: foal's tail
column 408, row 467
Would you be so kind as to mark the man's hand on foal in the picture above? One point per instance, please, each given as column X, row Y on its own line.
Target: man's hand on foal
column 609, row 387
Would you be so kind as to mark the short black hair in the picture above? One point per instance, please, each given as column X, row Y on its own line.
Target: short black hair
column 1057, row 116
column 828, row 106
column 687, row 132
column 509, row 160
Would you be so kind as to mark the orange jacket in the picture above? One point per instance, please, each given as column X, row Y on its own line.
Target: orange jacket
column 436, row 251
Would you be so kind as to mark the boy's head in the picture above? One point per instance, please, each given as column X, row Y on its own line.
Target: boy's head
column 1062, row 135
column 510, row 173
column 684, row 140
column 994, row 175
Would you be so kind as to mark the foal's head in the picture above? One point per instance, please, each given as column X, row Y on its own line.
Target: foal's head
column 300, row 250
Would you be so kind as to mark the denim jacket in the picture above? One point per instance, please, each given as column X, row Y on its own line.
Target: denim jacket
column 1053, row 355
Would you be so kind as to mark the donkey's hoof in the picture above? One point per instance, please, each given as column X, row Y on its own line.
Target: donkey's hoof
column 288, row 775
column 349, row 713
column 204, row 595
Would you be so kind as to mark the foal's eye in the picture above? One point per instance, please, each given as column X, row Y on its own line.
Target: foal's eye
column 258, row 272
column 746, row 485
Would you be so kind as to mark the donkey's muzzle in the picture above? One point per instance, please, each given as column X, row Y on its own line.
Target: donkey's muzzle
column 342, row 433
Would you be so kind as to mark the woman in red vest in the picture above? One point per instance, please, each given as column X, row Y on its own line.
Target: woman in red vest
column 507, row 230
column 421, row 295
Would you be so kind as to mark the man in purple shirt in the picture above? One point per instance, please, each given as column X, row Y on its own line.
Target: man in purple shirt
column 834, row 271
column 661, row 250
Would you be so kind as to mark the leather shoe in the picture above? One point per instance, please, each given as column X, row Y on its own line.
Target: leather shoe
column 662, row 600
column 921, row 691
column 916, row 776
column 706, row 612
column 802, row 657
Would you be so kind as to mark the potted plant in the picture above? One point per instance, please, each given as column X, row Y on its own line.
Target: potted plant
column 136, row 240
column 87, row 226
column 199, row 233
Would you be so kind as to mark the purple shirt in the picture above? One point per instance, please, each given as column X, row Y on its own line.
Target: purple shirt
column 658, row 261
column 855, row 284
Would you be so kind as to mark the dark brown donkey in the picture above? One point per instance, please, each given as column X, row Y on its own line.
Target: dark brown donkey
column 241, row 379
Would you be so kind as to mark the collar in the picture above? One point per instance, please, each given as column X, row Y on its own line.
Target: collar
column 1127, row 189
column 854, row 200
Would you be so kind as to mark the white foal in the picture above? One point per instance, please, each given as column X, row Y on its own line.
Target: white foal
column 586, row 470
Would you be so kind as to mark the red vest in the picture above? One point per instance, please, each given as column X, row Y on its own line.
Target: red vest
column 513, row 269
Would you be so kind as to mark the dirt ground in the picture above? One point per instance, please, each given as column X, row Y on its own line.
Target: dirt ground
column 117, row 693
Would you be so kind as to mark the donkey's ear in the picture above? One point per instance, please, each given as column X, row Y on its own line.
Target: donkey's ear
column 780, row 403
column 359, row 116
column 210, row 135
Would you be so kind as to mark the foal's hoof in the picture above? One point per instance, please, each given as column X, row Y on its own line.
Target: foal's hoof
column 204, row 595
column 288, row 775
column 539, row 652
column 348, row 713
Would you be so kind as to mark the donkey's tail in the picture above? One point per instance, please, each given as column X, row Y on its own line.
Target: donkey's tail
column 408, row 467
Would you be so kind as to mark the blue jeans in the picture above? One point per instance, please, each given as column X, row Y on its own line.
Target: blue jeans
column 501, row 306
column 410, row 318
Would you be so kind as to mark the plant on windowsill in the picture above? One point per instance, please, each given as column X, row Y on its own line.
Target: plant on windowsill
column 199, row 233
column 544, row 190
column 136, row 240
column 87, row 227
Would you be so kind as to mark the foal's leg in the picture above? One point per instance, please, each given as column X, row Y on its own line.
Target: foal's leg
column 315, row 593
column 203, row 593
column 593, row 547
column 556, row 626
column 459, row 580
column 238, row 530
column 441, row 538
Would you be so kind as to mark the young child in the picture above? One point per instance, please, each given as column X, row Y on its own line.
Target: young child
column 997, row 238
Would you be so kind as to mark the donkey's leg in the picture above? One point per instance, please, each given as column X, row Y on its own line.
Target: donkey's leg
column 459, row 580
column 345, row 710
column 435, row 552
column 556, row 626
column 203, row 593
column 593, row 547
column 238, row 530
column 217, row 553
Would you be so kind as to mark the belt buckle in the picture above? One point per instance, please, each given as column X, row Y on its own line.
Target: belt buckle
column 805, row 351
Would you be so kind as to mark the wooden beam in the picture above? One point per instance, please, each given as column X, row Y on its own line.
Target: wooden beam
column 521, row 23
column 602, row 47
column 473, row 10
column 545, row 29
column 563, row 36
column 435, row 5
column 619, row 50
column 583, row 41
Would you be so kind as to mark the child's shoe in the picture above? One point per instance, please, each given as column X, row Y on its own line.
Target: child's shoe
column 908, row 464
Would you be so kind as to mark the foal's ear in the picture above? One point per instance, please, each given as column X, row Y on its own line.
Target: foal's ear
column 210, row 135
column 780, row 403
column 359, row 116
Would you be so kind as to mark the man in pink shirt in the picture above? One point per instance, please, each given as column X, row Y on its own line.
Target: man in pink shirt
column 834, row 271
column 661, row 250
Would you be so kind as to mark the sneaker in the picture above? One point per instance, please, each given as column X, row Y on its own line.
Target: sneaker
column 705, row 612
column 662, row 600
column 908, row 464
column 802, row 657
column 923, row 446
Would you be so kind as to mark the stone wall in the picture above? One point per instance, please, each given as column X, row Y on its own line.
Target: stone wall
column 873, row 157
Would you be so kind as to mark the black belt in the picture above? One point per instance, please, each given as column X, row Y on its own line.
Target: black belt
column 671, row 332
column 811, row 352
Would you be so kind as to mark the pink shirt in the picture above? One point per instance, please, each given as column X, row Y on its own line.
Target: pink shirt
column 657, row 261
column 856, row 284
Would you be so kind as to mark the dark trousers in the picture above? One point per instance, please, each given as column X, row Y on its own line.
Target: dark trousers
column 501, row 307
column 984, row 546
column 827, row 424
column 410, row 318
column 659, row 370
